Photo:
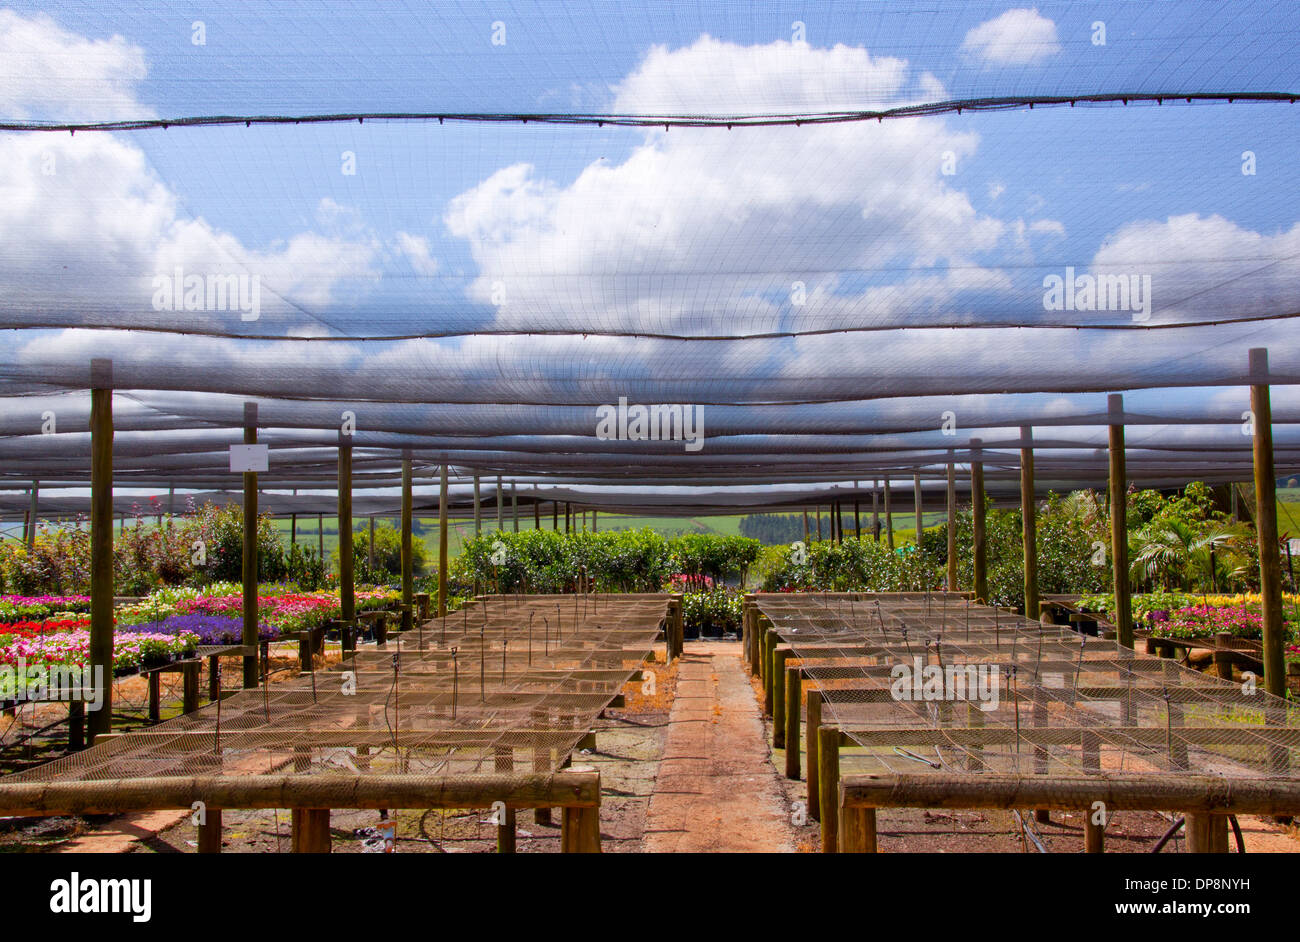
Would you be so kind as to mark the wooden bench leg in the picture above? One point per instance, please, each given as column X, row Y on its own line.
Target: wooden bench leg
column 210, row 832
column 310, row 830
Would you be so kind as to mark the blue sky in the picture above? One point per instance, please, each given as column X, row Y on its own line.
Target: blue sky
column 607, row 229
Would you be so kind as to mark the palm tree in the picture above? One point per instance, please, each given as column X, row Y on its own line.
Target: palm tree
column 1177, row 551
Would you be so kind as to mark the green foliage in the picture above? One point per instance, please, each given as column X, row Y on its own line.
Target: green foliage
column 713, row 613
column 772, row 529
column 854, row 565
column 388, row 554
column 609, row 561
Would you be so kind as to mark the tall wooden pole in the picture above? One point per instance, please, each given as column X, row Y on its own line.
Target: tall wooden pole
column 408, row 563
column 347, row 589
column 875, row 511
column 514, row 506
column 478, row 511
column 34, row 513
column 857, row 513
column 1028, row 514
column 805, row 526
column 555, row 516
column 1119, row 521
column 101, row 542
column 952, row 526
column 370, row 549
column 249, row 636
column 593, row 519
column 979, row 549
column 537, row 513
column 916, row 500
column 501, row 500
column 293, row 530
column 442, row 543
column 889, row 518
column 1270, row 562
column 819, row 523
column 320, row 536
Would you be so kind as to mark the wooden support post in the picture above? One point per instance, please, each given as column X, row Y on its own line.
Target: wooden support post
column 154, row 679
column 76, row 725
column 249, row 556
column 501, row 502
column 889, row 519
column 101, row 541
column 975, row 753
column 952, row 527
column 293, row 530
column 1270, row 562
column 828, row 778
column 408, row 564
column 770, row 640
column 34, row 513
column 370, row 548
column 875, row 512
column 310, row 830
column 811, row 727
column 779, row 656
column 1029, row 528
column 504, row 762
column 537, row 514
column 1206, row 833
column 793, row 696
column 580, row 827
column 857, row 831
column 819, row 523
column 979, row 549
column 916, row 500
column 806, row 533
column 1094, row 835
column 857, row 513
column 210, row 831
column 189, row 687
column 320, row 537
column 347, row 589
column 1119, row 522
column 555, row 516
column 442, row 542
column 478, row 511
column 514, row 506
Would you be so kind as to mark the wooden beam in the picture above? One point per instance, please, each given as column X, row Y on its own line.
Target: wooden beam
column 408, row 564
column 1155, row 792
column 101, row 541
column 916, row 500
column 249, row 555
column 979, row 550
column 478, row 510
column 1270, row 563
column 1118, row 481
column 442, row 542
column 889, row 518
column 310, row 830
column 1029, row 528
column 571, row 788
column 952, row 527
column 347, row 589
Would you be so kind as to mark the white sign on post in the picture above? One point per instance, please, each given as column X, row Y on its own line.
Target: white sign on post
column 244, row 458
